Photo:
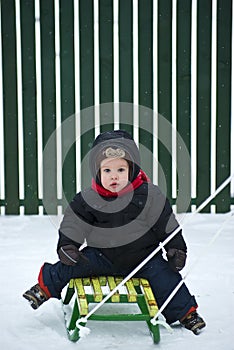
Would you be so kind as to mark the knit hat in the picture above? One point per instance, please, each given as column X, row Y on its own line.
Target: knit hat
column 114, row 144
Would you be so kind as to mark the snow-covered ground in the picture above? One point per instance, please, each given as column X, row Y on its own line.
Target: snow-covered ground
column 26, row 242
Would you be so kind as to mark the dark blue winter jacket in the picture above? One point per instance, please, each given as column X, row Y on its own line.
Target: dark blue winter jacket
column 125, row 229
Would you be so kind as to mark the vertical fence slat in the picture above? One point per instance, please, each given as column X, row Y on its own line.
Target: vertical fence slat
column 10, row 106
column 126, row 64
column 165, row 90
column 183, row 89
column 106, row 63
column 27, row 11
column 204, row 18
column 86, row 14
column 67, row 75
column 224, row 21
column 48, row 104
column 145, row 54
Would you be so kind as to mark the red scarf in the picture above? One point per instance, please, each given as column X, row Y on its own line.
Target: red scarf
column 141, row 177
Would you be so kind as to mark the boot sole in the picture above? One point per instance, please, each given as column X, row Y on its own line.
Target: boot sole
column 32, row 300
column 198, row 327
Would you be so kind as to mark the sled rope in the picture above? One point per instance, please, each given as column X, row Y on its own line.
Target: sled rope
column 151, row 255
column 212, row 240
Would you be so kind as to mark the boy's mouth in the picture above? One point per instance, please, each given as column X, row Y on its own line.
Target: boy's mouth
column 114, row 184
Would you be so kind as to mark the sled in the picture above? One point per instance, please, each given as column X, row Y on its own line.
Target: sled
column 84, row 291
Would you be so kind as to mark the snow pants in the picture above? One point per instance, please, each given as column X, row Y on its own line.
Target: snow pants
column 157, row 271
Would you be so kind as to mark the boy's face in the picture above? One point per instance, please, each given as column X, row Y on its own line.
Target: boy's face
column 114, row 174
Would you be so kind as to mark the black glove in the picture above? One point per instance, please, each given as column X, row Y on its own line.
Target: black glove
column 176, row 259
column 70, row 255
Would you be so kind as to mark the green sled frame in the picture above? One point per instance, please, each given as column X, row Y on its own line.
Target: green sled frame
column 143, row 297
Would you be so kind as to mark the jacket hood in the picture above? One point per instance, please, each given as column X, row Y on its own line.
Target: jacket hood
column 119, row 140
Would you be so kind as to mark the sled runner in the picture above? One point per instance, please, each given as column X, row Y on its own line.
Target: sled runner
column 93, row 290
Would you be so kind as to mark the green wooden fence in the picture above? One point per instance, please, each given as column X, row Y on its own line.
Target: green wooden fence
column 147, row 81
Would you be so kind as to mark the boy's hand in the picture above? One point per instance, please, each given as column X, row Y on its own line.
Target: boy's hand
column 176, row 259
column 70, row 254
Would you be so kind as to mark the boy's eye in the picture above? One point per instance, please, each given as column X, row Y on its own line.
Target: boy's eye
column 106, row 170
column 121, row 170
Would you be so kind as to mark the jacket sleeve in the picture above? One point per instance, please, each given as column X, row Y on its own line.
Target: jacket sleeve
column 165, row 222
column 171, row 224
column 76, row 223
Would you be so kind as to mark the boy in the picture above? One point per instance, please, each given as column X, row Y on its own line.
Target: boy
column 109, row 228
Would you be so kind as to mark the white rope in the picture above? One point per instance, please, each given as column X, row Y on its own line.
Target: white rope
column 214, row 194
column 151, row 255
column 212, row 240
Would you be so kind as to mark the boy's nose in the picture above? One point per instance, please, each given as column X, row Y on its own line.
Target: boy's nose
column 114, row 176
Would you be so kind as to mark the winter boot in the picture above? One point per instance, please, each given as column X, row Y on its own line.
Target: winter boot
column 193, row 322
column 36, row 296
